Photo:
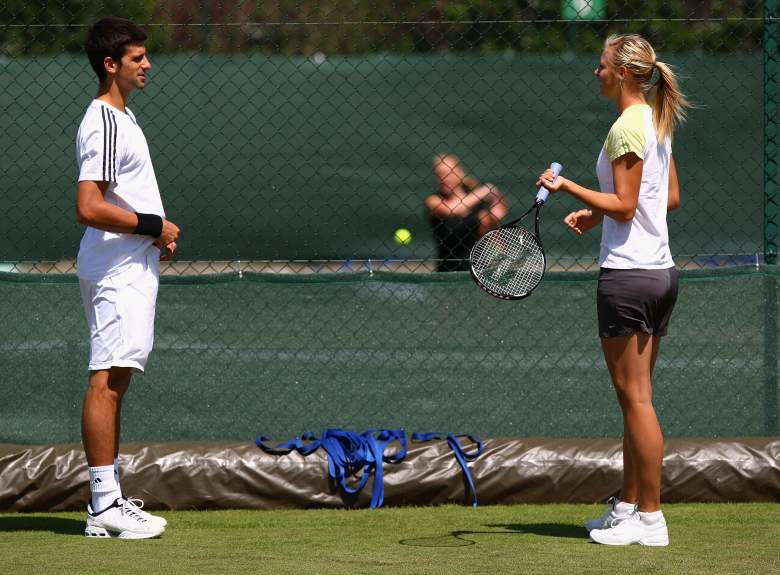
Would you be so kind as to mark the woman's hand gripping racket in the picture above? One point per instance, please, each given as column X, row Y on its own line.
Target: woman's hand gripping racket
column 508, row 262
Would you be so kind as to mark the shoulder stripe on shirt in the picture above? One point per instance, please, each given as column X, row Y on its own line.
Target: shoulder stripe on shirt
column 110, row 131
column 113, row 146
column 105, row 141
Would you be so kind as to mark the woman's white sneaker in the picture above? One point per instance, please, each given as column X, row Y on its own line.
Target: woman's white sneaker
column 635, row 530
column 617, row 512
column 123, row 519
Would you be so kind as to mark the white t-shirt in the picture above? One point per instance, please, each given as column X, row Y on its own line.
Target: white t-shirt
column 643, row 242
column 110, row 147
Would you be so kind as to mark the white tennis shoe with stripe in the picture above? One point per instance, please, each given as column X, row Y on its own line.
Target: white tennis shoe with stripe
column 124, row 519
column 145, row 514
column 634, row 531
column 611, row 518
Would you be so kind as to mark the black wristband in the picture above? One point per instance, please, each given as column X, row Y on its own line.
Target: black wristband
column 149, row 225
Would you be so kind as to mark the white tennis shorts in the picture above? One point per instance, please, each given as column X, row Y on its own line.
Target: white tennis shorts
column 120, row 314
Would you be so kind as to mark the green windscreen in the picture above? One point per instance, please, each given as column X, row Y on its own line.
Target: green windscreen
column 281, row 354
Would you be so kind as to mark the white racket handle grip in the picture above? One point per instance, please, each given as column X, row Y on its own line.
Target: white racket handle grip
column 543, row 192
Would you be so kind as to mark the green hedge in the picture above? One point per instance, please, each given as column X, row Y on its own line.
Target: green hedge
column 363, row 26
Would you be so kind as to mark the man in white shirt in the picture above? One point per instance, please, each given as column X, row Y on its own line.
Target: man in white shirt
column 127, row 235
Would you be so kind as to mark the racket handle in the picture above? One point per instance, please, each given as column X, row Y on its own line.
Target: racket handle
column 543, row 192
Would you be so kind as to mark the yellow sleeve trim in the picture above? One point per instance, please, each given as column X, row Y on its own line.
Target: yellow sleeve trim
column 627, row 135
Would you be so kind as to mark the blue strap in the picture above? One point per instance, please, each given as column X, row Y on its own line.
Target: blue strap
column 461, row 454
column 377, row 441
column 291, row 445
column 286, row 447
column 348, row 455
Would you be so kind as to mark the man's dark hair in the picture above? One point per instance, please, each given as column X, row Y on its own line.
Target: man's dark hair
column 109, row 37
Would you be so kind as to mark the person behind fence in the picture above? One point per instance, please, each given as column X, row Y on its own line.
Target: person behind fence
column 637, row 287
column 461, row 212
column 126, row 236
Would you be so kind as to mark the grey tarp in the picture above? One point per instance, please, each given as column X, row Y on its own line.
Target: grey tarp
column 511, row 470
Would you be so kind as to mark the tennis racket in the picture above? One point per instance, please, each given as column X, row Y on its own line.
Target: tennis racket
column 508, row 262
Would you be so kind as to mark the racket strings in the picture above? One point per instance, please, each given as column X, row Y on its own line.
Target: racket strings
column 508, row 261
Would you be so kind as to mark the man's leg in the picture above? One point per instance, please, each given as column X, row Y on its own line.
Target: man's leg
column 110, row 514
column 121, row 320
column 100, row 416
column 118, row 435
column 100, row 431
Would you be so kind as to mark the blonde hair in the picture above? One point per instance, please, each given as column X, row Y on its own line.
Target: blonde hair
column 636, row 55
column 451, row 160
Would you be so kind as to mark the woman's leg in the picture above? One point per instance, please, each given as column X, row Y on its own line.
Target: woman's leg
column 630, row 490
column 631, row 360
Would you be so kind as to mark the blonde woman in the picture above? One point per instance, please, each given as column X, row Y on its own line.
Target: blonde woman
column 461, row 212
column 637, row 286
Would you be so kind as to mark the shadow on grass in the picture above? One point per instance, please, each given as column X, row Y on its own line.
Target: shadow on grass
column 37, row 523
column 463, row 538
column 547, row 529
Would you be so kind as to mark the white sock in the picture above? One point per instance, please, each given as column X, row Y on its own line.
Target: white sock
column 651, row 517
column 116, row 470
column 105, row 489
column 623, row 508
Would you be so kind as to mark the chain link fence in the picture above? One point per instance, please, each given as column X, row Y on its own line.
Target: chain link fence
column 290, row 141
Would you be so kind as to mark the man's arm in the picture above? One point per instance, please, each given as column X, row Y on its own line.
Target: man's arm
column 461, row 207
column 496, row 210
column 93, row 210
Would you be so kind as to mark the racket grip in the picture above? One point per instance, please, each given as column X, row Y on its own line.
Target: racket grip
column 541, row 195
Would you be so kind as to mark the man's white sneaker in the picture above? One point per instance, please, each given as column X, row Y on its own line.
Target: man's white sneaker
column 633, row 531
column 124, row 519
column 145, row 514
column 611, row 517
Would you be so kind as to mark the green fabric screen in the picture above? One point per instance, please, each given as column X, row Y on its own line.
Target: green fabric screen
column 282, row 354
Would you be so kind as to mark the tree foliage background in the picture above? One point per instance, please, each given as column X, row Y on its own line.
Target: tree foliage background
column 363, row 26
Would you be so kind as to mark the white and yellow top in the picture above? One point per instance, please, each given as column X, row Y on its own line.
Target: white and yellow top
column 643, row 242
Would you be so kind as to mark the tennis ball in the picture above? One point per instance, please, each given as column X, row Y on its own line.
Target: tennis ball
column 403, row 237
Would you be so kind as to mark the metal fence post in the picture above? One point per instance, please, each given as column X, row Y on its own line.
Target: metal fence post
column 770, row 131
column 770, row 213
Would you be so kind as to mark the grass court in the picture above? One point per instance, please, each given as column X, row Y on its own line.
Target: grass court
column 705, row 538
